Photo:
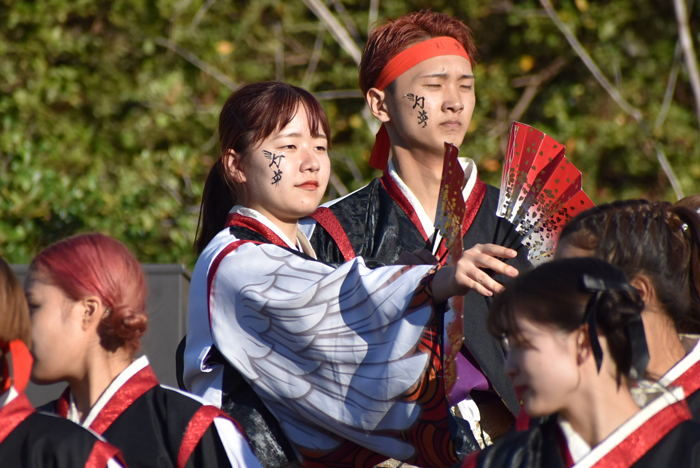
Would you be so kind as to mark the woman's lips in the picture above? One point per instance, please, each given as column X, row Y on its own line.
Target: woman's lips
column 309, row 185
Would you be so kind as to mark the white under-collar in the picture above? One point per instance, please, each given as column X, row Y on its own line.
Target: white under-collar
column 8, row 396
column 578, row 448
column 470, row 172
column 302, row 243
column 107, row 395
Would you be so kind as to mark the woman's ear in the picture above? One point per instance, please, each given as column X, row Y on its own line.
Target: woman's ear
column 232, row 163
column 644, row 287
column 376, row 100
column 583, row 345
column 93, row 311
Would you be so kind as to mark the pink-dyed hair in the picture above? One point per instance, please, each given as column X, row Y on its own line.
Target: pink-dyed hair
column 99, row 265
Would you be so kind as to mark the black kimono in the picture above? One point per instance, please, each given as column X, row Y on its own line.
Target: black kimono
column 378, row 222
column 32, row 439
column 662, row 434
column 158, row 426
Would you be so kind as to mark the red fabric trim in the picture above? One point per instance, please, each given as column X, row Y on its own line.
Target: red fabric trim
column 215, row 266
column 133, row 389
column 522, row 422
column 566, row 457
column 13, row 414
column 470, row 461
column 412, row 56
column 63, row 403
column 101, row 453
column 196, row 428
column 395, row 192
column 637, row 444
column 250, row 223
column 328, row 221
column 689, row 380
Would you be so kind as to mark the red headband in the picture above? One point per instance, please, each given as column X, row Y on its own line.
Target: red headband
column 18, row 365
column 397, row 66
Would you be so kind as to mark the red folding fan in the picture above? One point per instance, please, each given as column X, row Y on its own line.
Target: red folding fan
column 540, row 189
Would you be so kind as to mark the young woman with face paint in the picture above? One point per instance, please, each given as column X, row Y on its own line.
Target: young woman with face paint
column 576, row 337
column 657, row 245
column 28, row 438
column 325, row 365
column 87, row 297
column 417, row 74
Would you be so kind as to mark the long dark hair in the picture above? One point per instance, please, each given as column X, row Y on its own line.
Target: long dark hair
column 654, row 239
column 553, row 294
column 251, row 114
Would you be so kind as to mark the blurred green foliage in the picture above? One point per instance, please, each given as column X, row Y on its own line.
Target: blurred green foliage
column 109, row 108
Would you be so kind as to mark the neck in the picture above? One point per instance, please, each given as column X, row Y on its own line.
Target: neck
column 102, row 368
column 601, row 409
column 665, row 347
column 290, row 230
column 422, row 173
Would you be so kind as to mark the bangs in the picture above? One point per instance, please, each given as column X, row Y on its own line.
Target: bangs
column 502, row 319
column 287, row 101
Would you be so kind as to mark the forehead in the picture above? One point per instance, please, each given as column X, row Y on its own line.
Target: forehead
column 38, row 283
column 300, row 125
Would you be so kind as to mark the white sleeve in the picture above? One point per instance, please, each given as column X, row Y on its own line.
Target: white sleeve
column 330, row 351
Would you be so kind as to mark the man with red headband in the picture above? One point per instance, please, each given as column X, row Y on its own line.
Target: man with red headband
column 417, row 76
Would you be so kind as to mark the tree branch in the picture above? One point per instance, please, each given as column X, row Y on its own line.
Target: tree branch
column 691, row 61
column 615, row 94
column 194, row 60
column 336, row 30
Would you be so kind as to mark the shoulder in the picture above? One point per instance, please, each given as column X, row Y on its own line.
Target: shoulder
column 679, row 448
column 60, row 429
column 51, row 437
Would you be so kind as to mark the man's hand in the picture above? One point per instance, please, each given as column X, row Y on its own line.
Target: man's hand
column 469, row 272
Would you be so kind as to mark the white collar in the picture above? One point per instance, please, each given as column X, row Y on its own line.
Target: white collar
column 107, row 395
column 469, row 168
column 8, row 396
column 302, row 243
column 578, row 448
column 627, row 428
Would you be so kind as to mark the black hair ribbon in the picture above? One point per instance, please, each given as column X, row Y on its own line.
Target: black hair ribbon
column 634, row 327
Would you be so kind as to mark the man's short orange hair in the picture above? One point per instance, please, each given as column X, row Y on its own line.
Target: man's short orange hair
column 388, row 40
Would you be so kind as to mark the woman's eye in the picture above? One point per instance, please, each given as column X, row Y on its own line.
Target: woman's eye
column 321, row 148
column 289, row 147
